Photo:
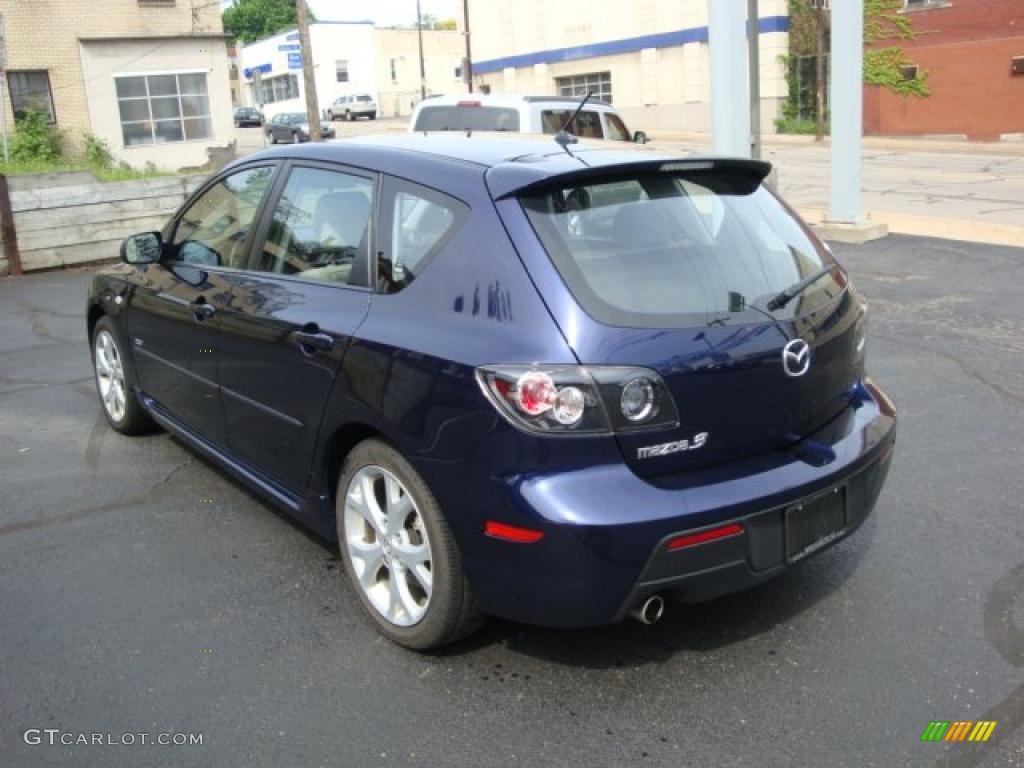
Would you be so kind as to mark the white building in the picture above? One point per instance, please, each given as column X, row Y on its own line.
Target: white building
column 649, row 58
column 350, row 58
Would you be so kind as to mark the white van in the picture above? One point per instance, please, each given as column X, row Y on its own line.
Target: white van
column 520, row 114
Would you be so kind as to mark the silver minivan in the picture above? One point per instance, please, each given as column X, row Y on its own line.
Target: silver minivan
column 353, row 106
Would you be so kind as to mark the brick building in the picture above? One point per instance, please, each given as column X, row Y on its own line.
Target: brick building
column 148, row 76
column 968, row 48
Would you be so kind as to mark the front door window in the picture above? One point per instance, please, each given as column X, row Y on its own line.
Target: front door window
column 214, row 231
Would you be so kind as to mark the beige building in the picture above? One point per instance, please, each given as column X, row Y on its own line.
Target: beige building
column 649, row 58
column 350, row 58
column 150, row 77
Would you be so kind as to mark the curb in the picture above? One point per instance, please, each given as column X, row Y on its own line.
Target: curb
column 1009, row 147
column 931, row 226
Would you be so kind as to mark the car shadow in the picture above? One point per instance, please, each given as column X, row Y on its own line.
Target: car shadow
column 685, row 628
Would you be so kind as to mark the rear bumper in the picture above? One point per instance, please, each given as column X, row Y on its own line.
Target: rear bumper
column 605, row 529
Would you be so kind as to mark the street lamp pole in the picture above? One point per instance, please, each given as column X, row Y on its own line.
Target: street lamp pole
column 423, row 70
column 754, row 78
column 847, row 109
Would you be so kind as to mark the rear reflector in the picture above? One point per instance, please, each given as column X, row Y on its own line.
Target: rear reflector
column 680, row 542
column 467, row 104
column 512, row 533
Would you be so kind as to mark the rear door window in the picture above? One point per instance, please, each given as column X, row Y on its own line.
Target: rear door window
column 320, row 228
column 467, row 118
column 416, row 223
column 662, row 251
column 586, row 125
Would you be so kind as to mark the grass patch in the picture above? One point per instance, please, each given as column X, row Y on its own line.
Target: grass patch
column 103, row 173
column 798, row 126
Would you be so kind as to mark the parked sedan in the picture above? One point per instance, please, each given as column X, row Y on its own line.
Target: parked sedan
column 293, row 127
column 556, row 390
column 248, row 116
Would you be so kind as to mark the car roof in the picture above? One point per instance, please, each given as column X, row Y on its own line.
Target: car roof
column 514, row 100
column 488, row 148
column 510, row 161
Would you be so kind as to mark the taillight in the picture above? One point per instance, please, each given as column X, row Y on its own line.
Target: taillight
column 572, row 399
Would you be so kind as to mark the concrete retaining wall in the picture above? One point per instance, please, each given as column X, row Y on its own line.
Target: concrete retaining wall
column 71, row 218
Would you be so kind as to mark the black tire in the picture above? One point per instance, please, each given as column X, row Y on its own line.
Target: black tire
column 373, row 115
column 134, row 420
column 330, row 116
column 273, row 138
column 451, row 612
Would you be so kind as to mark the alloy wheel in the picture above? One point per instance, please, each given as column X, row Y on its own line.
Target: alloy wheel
column 388, row 546
column 110, row 375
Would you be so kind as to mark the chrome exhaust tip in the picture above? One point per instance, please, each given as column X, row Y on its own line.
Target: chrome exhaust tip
column 650, row 610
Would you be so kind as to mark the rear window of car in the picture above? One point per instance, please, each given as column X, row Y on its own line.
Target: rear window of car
column 467, row 118
column 667, row 251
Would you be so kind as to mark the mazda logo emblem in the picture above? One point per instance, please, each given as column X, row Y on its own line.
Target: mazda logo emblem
column 796, row 357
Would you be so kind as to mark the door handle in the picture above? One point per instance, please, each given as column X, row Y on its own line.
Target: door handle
column 311, row 341
column 202, row 310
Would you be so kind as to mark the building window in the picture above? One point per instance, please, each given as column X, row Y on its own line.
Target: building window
column 31, row 90
column 279, row 88
column 156, row 109
column 578, row 85
column 908, row 71
column 394, row 72
column 341, row 70
column 920, row 5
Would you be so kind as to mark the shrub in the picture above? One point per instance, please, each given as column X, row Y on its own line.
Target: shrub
column 97, row 152
column 797, row 125
column 35, row 139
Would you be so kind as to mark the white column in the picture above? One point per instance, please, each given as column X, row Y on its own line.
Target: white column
column 730, row 105
column 847, row 109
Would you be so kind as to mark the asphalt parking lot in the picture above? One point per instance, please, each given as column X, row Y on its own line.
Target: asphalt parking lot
column 142, row 591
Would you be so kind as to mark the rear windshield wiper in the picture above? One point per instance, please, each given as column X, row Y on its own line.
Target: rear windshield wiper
column 779, row 300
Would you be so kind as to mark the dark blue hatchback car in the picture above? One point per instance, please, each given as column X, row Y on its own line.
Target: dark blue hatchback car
column 554, row 384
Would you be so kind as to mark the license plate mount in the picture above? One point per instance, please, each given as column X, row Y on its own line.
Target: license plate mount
column 815, row 523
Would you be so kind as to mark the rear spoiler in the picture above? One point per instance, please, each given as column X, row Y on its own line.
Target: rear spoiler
column 518, row 178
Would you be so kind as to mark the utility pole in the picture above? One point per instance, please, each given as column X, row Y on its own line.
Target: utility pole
column 3, row 82
column 309, row 84
column 754, row 67
column 821, row 22
column 467, row 67
column 423, row 70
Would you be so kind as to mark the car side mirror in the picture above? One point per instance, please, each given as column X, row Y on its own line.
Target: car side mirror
column 144, row 248
column 640, row 137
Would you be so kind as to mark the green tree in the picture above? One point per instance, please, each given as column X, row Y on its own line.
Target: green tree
column 249, row 20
